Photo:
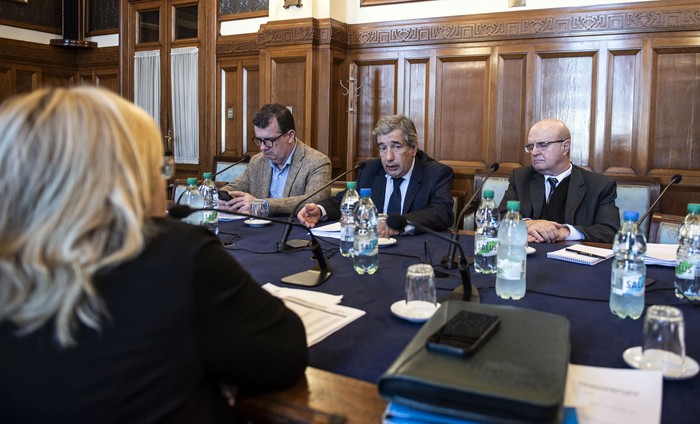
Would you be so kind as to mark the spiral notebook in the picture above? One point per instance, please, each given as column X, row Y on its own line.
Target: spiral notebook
column 581, row 254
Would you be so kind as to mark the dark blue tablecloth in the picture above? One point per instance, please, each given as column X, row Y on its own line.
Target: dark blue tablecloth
column 367, row 347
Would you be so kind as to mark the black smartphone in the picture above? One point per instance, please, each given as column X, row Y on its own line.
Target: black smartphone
column 223, row 195
column 464, row 333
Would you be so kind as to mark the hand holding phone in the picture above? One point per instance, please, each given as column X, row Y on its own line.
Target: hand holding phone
column 464, row 333
column 223, row 195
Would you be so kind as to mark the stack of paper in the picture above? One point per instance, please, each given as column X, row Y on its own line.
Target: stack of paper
column 661, row 254
column 320, row 312
column 330, row 230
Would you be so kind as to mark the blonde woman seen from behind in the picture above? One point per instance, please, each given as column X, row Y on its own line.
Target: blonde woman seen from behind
column 110, row 312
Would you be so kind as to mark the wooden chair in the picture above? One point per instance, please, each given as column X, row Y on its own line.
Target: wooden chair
column 459, row 197
column 498, row 183
column 664, row 228
column 637, row 194
column 221, row 162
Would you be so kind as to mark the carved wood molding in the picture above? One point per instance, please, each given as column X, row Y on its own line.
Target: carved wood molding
column 26, row 52
column 106, row 56
column 620, row 19
column 234, row 45
column 303, row 31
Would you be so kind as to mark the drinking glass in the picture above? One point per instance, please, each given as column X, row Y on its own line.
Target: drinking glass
column 259, row 208
column 664, row 339
column 382, row 229
column 420, row 291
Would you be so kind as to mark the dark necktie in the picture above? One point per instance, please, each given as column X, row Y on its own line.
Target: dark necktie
column 552, row 185
column 394, row 206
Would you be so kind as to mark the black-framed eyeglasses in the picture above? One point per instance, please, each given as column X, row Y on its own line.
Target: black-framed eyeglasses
column 542, row 145
column 268, row 142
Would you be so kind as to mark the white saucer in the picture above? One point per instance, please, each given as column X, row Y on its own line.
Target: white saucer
column 253, row 222
column 382, row 241
column 398, row 308
column 530, row 250
column 633, row 358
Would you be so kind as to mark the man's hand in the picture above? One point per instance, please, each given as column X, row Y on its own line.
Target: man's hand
column 309, row 215
column 240, row 202
column 543, row 231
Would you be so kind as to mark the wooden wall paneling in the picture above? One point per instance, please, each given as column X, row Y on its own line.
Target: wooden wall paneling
column 6, row 81
column 461, row 112
column 250, row 89
column 290, row 85
column 108, row 79
column 414, row 88
column 229, row 100
column 621, row 150
column 675, row 110
column 566, row 87
column 27, row 79
column 378, row 81
column 509, row 111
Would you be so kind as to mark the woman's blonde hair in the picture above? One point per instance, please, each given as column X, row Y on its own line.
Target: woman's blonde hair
column 76, row 170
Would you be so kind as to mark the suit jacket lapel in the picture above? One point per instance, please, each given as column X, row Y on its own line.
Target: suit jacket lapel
column 264, row 178
column 577, row 190
column 379, row 189
column 413, row 184
column 294, row 168
column 536, row 194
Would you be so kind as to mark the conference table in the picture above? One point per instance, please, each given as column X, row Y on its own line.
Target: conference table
column 352, row 359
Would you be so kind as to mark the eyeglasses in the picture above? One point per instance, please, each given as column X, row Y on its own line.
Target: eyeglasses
column 542, row 145
column 167, row 169
column 267, row 141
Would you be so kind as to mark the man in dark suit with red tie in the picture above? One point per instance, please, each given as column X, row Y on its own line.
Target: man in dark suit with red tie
column 404, row 180
column 561, row 201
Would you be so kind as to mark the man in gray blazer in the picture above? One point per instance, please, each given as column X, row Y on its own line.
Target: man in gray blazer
column 558, row 200
column 284, row 172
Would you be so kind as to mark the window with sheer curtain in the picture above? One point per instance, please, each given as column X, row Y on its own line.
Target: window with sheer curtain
column 185, row 103
column 147, row 82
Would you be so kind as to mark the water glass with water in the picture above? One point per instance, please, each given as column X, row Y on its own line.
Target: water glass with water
column 259, row 208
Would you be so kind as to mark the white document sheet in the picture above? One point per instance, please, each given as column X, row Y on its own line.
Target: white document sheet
column 330, row 230
column 225, row 216
column 320, row 312
column 612, row 395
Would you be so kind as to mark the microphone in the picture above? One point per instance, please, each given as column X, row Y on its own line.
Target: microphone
column 674, row 180
column 399, row 222
column 310, row 278
column 284, row 244
column 245, row 158
column 449, row 260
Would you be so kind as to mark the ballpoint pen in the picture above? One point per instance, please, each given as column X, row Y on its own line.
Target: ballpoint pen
column 592, row 255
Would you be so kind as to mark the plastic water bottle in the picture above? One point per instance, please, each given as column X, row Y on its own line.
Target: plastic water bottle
column 210, row 195
column 347, row 228
column 193, row 198
column 628, row 269
column 511, row 260
column 487, row 218
column 688, row 256
column 365, row 256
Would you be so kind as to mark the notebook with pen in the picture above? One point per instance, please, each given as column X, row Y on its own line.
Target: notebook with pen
column 581, row 254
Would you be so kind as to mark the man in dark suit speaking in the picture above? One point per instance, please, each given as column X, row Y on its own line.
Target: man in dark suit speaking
column 404, row 180
column 558, row 200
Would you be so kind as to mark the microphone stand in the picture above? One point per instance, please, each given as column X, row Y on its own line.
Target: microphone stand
column 469, row 292
column 674, row 180
column 449, row 261
column 284, row 244
column 309, row 278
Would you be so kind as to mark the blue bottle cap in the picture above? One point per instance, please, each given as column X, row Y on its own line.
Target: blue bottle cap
column 192, row 181
column 630, row 215
column 513, row 205
column 365, row 192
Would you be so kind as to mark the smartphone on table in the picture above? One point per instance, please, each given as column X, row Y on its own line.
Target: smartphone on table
column 464, row 333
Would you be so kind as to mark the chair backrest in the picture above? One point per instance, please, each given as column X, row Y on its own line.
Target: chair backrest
column 664, row 228
column 498, row 183
column 221, row 162
column 637, row 194
column 458, row 197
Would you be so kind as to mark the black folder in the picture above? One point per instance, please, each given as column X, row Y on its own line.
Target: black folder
column 518, row 375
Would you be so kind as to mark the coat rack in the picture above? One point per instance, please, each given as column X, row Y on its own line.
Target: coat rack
column 352, row 98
